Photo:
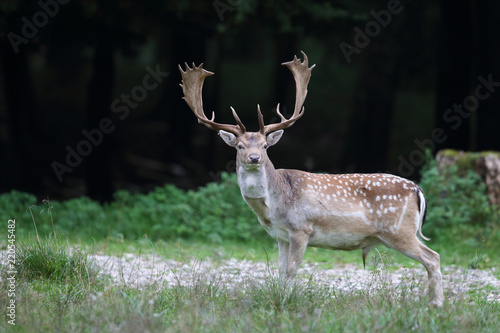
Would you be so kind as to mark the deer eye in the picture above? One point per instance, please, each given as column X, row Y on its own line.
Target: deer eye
column 266, row 146
column 240, row 147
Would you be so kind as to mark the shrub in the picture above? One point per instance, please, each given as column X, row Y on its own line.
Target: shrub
column 213, row 212
column 457, row 202
column 458, row 205
column 15, row 205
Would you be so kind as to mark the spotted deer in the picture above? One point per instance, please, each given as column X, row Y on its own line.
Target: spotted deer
column 300, row 209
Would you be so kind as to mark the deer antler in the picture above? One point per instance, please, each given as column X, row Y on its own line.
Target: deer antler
column 192, row 86
column 301, row 73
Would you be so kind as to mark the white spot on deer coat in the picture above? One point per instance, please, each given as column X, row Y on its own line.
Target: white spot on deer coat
column 398, row 225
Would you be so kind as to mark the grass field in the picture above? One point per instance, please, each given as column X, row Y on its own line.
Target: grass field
column 80, row 300
column 57, row 289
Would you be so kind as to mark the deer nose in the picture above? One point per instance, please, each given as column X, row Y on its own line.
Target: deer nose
column 254, row 158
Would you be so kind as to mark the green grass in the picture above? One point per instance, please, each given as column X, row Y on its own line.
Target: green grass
column 46, row 305
column 470, row 255
column 58, row 289
column 49, row 259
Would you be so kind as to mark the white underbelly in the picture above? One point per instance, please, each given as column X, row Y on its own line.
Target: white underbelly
column 338, row 240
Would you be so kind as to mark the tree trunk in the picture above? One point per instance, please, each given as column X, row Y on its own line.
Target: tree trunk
column 283, row 87
column 454, row 60
column 23, row 155
column 191, row 161
column 487, row 62
column 488, row 167
column 100, row 89
column 368, row 138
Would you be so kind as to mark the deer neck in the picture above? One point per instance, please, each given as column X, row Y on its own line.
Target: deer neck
column 256, row 183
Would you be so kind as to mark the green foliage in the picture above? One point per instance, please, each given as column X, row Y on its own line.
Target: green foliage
column 14, row 205
column 458, row 207
column 213, row 212
column 457, row 202
column 53, row 259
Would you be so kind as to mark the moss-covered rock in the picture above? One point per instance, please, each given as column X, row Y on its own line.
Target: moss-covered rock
column 485, row 163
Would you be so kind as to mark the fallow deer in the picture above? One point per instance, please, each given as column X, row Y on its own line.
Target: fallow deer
column 300, row 209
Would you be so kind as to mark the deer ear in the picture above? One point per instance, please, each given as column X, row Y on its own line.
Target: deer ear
column 274, row 137
column 228, row 138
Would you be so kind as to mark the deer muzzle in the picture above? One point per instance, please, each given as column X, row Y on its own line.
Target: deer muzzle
column 254, row 158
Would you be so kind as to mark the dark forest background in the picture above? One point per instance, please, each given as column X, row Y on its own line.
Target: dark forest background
column 425, row 78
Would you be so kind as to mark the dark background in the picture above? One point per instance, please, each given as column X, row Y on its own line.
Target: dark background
column 373, row 112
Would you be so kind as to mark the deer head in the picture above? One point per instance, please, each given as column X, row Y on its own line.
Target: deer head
column 251, row 146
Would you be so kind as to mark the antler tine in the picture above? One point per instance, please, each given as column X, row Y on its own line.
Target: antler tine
column 260, row 117
column 238, row 121
column 192, row 86
column 302, row 74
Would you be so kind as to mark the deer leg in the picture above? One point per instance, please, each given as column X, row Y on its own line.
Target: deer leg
column 366, row 250
column 431, row 261
column 283, row 248
column 297, row 248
